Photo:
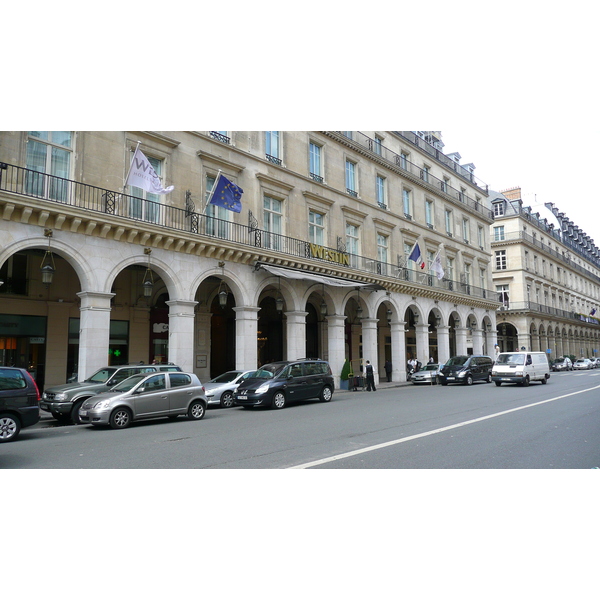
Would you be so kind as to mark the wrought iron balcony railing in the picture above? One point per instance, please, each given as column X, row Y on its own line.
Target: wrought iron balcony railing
column 29, row 183
column 438, row 184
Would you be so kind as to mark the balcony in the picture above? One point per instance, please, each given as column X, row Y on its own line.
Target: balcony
column 543, row 310
column 220, row 137
column 273, row 159
column 137, row 220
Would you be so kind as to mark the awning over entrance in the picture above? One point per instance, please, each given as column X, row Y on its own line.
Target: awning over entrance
column 309, row 276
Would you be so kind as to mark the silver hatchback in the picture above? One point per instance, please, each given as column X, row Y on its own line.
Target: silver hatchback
column 146, row 396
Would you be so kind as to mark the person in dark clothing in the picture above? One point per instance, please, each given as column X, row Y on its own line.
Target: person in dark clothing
column 388, row 370
column 370, row 377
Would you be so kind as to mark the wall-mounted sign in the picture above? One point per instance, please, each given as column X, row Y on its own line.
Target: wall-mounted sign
column 316, row 251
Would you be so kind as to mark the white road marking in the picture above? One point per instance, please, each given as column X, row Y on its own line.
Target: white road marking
column 329, row 459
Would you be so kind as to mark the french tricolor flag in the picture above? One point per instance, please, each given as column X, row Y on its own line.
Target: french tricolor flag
column 416, row 256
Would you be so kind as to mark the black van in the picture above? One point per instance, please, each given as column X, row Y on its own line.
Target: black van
column 466, row 369
column 278, row 383
column 19, row 402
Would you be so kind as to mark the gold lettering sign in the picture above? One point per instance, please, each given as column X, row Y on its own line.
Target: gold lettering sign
column 341, row 258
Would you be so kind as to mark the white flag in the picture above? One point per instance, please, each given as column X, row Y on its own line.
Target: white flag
column 436, row 266
column 143, row 175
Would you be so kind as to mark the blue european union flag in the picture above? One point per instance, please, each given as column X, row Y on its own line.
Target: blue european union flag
column 227, row 194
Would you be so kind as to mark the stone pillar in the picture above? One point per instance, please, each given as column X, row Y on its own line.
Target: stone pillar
column 246, row 344
column 422, row 337
column 94, row 333
column 492, row 340
column 336, row 345
column 398, row 351
column 461, row 340
column 181, row 333
column 477, row 341
column 296, row 335
column 369, row 344
column 443, row 335
column 523, row 340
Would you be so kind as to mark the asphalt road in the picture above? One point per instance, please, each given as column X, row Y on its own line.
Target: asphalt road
column 553, row 426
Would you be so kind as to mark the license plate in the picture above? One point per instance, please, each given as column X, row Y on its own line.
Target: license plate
column 450, row 378
column 82, row 413
column 242, row 397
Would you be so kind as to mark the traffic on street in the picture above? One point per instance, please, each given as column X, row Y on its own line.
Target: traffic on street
column 400, row 426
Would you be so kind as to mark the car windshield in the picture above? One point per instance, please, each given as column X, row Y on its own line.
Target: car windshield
column 268, row 371
column 226, row 377
column 511, row 359
column 101, row 376
column 559, row 361
column 457, row 361
column 582, row 360
column 430, row 368
column 128, row 383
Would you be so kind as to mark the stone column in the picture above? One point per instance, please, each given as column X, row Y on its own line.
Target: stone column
column 477, row 341
column 94, row 333
column 246, row 345
column 523, row 340
column 336, row 345
column 461, row 340
column 422, row 337
column 369, row 344
column 296, row 335
column 398, row 351
column 202, row 343
column 443, row 335
column 181, row 333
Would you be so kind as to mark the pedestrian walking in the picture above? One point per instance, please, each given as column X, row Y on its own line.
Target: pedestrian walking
column 370, row 377
column 388, row 370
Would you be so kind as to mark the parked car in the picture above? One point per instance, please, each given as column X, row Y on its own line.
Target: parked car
column 64, row 401
column 562, row 364
column 19, row 402
column 583, row 363
column 595, row 362
column 220, row 389
column 521, row 368
column 278, row 383
column 466, row 369
column 427, row 374
column 146, row 396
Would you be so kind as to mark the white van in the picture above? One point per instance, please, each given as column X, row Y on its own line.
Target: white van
column 521, row 368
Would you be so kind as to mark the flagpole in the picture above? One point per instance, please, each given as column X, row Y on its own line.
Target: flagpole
column 214, row 187
column 131, row 165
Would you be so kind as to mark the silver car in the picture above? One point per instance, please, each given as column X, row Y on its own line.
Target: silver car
column 583, row 363
column 220, row 389
column 145, row 396
column 427, row 374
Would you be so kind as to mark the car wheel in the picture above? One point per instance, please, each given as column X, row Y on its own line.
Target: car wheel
column 120, row 418
column 278, row 400
column 9, row 427
column 196, row 411
column 469, row 380
column 75, row 413
column 326, row 394
column 227, row 400
column 544, row 381
column 498, row 383
column 526, row 382
column 489, row 378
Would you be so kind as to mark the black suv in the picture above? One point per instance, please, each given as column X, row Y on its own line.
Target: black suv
column 278, row 383
column 466, row 369
column 19, row 402
column 64, row 401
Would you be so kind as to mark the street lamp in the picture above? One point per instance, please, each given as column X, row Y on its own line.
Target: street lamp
column 47, row 266
column 148, row 279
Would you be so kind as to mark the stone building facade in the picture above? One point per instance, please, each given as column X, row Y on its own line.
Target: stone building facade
column 316, row 263
column 546, row 271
